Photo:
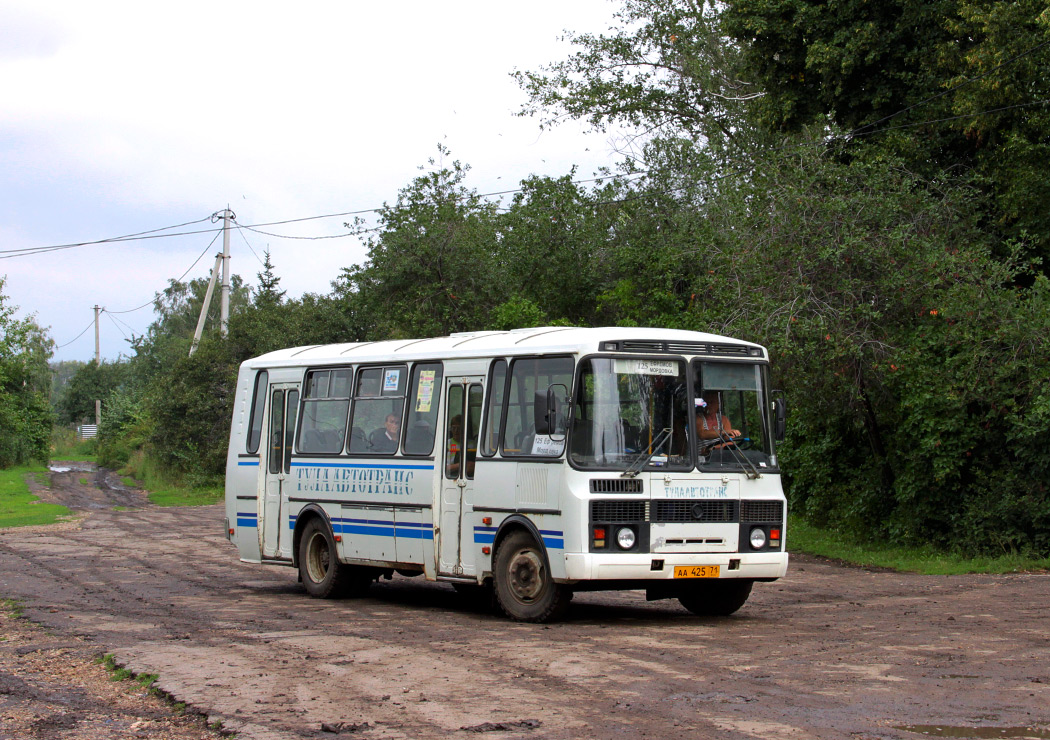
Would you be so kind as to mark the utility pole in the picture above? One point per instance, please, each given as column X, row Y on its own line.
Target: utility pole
column 224, row 307
column 206, row 305
column 98, row 363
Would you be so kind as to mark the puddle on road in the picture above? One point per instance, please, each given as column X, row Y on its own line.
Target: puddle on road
column 1028, row 733
column 72, row 467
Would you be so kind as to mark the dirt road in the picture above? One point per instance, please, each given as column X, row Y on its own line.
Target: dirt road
column 828, row 652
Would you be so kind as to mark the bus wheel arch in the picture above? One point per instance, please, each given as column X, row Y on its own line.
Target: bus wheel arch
column 309, row 512
column 320, row 570
column 521, row 574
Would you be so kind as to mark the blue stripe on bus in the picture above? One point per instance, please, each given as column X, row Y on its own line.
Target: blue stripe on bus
column 247, row 520
column 247, row 463
column 487, row 535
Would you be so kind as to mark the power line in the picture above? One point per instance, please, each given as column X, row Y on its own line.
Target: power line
column 78, row 336
column 179, row 279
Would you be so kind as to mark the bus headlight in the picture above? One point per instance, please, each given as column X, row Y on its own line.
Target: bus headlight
column 758, row 538
column 625, row 538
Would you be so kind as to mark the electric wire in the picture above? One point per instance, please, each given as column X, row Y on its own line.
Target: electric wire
column 78, row 336
column 178, row 280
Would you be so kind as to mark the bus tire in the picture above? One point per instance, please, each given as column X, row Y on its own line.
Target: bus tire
column 525, row 589
column 323, row 576
column 718, row 598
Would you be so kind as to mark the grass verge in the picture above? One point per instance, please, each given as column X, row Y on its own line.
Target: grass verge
column 19, row 507
column 806, row 538
column 162, row 490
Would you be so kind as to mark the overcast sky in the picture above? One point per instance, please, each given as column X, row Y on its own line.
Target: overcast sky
column 119, row 118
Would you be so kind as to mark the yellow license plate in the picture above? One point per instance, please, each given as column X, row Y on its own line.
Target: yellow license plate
column 696, row 571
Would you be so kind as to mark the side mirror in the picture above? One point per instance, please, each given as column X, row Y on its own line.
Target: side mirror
column 779, row 419
column 546, row 411
column 541, row 412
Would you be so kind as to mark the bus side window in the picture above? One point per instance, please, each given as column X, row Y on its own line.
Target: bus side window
column 258, row 401
column 380, row 397
column 325, row 406
column 494, row 409
column 528, row 375
column 422, row 413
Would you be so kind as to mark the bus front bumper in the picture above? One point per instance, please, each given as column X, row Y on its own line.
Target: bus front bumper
column 647, row 567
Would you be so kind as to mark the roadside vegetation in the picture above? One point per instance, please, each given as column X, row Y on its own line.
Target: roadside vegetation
column 19, row 507
column 860, row 188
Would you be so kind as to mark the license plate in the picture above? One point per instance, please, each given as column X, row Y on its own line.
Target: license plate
column 696, row 571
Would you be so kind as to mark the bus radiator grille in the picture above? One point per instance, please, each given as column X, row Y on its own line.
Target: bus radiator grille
column 717, row 512
column 619, row 511
column 766, row 512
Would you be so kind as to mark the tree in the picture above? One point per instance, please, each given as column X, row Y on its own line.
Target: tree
column 665, row 69
column 955, row 87
column 91, row 382
column 429, row 269
column 25, row 387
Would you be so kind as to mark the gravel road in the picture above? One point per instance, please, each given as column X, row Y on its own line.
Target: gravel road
column 828, row 652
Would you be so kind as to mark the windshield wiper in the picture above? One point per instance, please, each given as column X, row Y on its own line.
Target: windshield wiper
column 643, row 459
column 729, row 443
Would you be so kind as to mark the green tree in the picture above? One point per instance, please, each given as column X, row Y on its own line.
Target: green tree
column 430, row 264
column 25, row 387
column 955, row 87
column 90, row 382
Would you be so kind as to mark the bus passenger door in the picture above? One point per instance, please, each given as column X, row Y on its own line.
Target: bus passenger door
column 273, row 512
column 460, row 449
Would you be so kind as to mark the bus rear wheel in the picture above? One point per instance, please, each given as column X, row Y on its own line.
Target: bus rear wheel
column 525, row 589
column 323, row 576
column 718, row 598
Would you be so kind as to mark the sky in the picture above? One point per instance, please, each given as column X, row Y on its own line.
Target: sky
column 124, row 117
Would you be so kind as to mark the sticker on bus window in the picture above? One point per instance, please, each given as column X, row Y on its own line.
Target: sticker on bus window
column 391, row 380
column 425, row 393
column 647, row 367
column 544, row 445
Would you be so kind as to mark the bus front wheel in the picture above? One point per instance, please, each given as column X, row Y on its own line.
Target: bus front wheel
column 525, row 589
column 717, row 598
column 323, row 576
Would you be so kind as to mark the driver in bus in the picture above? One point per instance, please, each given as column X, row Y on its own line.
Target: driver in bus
column 711, row 423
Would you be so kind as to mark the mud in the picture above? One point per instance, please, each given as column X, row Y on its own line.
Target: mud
column 828, row 652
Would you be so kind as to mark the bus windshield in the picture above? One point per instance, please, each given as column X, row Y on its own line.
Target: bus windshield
column 631, row 413
column 732, row 416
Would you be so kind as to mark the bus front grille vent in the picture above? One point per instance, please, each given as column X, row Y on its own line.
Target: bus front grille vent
column 716, row 512
column 733, row 350
column 616, row 485
column 619, row 511
column 768, row 512
column 685, row 348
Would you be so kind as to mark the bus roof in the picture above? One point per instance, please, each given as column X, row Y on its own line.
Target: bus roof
column 529, row 341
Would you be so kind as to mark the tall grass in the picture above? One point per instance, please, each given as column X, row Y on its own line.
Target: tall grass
column 165, row 490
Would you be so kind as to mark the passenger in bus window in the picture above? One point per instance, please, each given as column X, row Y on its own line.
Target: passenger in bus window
column 454, row 457
column 711, row 423
column 384, row 439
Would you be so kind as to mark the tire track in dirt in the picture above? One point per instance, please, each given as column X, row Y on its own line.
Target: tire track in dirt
column 828, row 652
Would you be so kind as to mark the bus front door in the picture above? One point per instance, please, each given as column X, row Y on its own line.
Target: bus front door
column 462, row 421
column 274, row 533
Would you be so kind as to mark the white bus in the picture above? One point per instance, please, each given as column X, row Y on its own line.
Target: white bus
column 537, row 462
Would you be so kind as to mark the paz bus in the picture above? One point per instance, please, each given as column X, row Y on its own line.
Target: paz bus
column 537, row 462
